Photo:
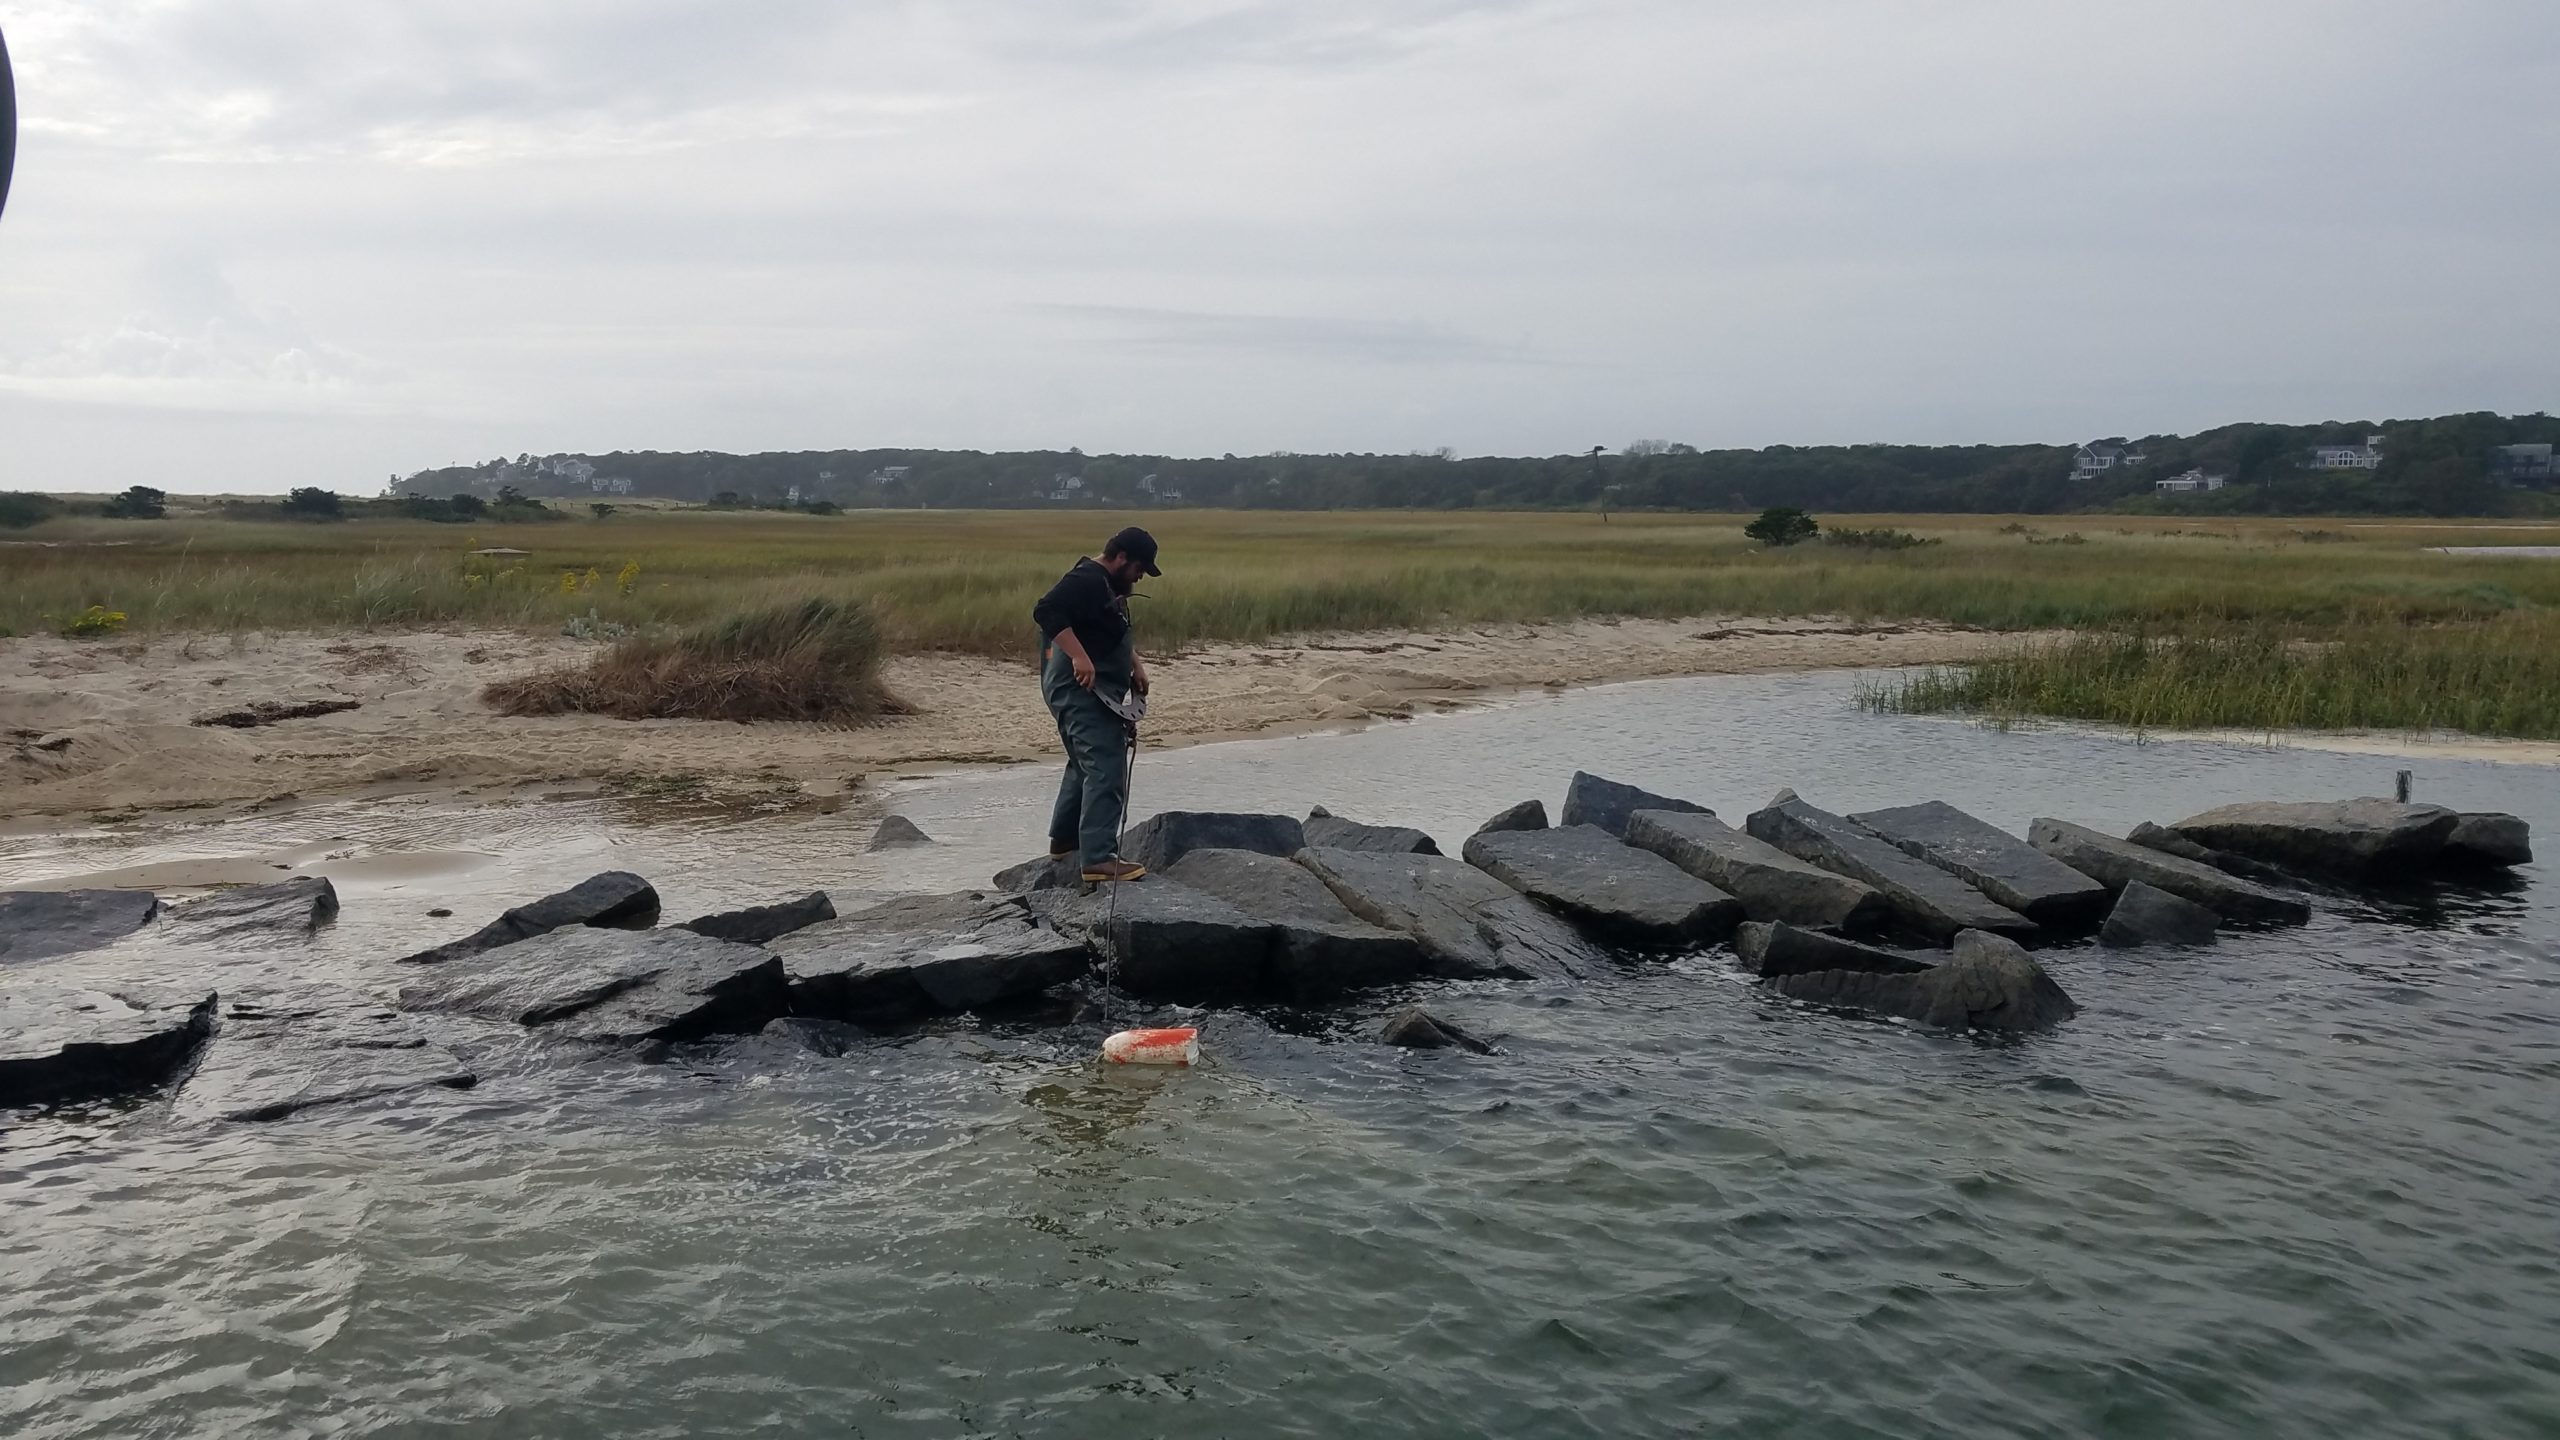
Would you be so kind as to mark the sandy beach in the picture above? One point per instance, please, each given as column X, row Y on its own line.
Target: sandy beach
column 109, row 727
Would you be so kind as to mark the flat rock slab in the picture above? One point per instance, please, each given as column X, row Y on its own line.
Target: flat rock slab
column 616, row 899
column 1924, row 898
column 2148, row 915
column 2490, row 839
column 1164, row 940
column 1415, row 1028
column 921, row 956
column 1527, row 815
column 613, row 986
column 1991, row 860
column 1989, row 984
column 2118, row 863
column 300, row 1047
column 1615, row 892
column 2168, row 841
column 2364, row 838
column 1770, row 883
column 284, row 911
column 40, row 924
column 1773, row 947
column 1590, row 800
column 764, row 924
column 61, row 1042
column 1323, row 949
column 1159, row 840
column 1468, row 924
column 1332, row 832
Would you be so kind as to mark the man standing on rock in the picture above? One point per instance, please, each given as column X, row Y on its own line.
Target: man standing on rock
column 1086, row 654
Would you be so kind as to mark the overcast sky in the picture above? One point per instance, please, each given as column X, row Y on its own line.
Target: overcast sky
column 263, row 243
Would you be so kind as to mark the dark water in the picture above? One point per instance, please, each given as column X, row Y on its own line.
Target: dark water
column 2304, row 1185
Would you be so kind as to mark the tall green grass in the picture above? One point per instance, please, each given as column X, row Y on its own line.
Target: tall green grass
column 2496, row 677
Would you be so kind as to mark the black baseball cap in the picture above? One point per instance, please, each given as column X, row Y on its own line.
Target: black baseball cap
column 1138, row 545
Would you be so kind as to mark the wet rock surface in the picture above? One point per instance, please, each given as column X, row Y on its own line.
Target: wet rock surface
column 612, row 986
column 764, row 924
column 1322, row 948
column 927, row 955
column 1776, row 948
column 1925, row 899
column 616, row 898
column 41, row 924
column 2489, row 838
column 2010, row 871
column 1469, row 925
column 2364, row 838
column 1333, row 832
column 1770, row 883
column 1415, row 1028
column 1160, row 840
column 284, row 1050
column 65, row 1042
column 898, row 830
column 2148, row 915
column 284, row 911
column 2118, row 863
column 1990, row 983
column 1590, row 800
column 1164, row 940
column 1615, row 892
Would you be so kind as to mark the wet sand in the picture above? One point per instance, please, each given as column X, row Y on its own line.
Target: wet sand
column 107, row 728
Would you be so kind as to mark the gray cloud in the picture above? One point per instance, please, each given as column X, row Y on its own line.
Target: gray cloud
column 1209, row 225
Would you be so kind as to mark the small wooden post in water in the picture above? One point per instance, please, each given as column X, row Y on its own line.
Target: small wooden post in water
column 2401, row 787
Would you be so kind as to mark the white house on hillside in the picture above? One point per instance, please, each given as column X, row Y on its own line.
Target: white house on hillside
column 2525, row 465
column 2190, row 482
column 2366, row 456
column 2096, row 458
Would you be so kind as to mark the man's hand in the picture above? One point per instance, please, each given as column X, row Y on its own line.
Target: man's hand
column 1077, row 660
column 1138, row 674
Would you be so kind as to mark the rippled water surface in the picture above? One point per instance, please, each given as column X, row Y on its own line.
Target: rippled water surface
column 2302, row 1185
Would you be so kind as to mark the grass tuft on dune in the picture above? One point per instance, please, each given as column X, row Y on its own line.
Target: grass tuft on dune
column 818, row 660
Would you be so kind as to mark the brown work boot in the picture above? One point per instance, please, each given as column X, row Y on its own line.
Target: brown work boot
column 1111, row 871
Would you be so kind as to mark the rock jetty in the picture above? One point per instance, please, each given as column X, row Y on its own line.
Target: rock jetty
column 1917, row 913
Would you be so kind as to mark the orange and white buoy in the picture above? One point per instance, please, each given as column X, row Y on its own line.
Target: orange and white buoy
column 1153, row 1047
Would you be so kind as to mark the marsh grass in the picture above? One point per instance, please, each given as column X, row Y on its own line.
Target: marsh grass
column 2491, row 677
column 818, row 660
column 2239, row 623
column 955, row 580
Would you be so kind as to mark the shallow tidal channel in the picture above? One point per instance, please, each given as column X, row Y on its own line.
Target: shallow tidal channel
column 2302, row 1184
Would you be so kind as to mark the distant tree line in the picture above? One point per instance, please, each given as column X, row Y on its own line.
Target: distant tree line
column 2448, row 465
column 2442, row 466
